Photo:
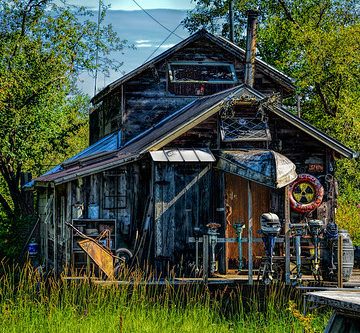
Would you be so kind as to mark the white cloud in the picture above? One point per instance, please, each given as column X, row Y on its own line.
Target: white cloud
column 166, row 46
column 142, row 41
column 143, row 45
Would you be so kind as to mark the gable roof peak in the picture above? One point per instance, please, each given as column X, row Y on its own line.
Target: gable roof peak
column 218, row 40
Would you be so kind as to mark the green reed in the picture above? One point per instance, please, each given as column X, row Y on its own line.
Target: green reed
column 32, row 303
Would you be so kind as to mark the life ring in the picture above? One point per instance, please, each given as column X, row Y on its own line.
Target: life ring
column 306, row 193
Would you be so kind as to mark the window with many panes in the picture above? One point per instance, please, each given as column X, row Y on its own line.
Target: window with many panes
column 198, row 79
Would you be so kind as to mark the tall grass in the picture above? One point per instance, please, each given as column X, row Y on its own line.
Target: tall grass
column 31, row 303
column 348, row 217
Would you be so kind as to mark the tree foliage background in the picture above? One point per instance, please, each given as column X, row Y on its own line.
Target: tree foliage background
column 317, row 42
column 44, row 46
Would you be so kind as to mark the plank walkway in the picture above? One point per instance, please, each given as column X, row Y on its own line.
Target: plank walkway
column 232, row 278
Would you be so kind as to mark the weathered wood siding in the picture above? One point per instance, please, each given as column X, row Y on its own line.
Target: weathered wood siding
column 145, row 100
column 182, row 198
column 117, row 194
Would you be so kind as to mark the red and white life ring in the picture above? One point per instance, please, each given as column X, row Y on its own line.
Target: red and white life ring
column 306, row 193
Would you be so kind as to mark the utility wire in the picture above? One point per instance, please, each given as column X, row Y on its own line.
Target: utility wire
column 153, row 18
column 97, row 46
column 171, row 33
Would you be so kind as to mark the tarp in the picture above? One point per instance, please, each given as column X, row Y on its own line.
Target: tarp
column 266, row 167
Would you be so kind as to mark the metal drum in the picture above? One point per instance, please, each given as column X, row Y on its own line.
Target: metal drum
column 328, row 266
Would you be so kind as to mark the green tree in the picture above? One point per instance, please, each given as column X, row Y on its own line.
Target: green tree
column 44, row 46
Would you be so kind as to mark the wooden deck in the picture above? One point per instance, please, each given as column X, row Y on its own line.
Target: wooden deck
column 232, row 278
column 345, row 300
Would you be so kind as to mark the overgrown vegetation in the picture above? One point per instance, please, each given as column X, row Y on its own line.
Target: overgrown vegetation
column 44, row 46
column 30, row 303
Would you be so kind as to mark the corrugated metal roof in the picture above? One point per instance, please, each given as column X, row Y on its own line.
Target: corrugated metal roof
column 208, row 105
column 187, row 115
column 79, row 170
column 183, row 155
column 109, row 143
column 168, row 129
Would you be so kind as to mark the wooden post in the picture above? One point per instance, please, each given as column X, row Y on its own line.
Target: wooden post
column 68, row 232
column 340, row 261
column 55, row 243
column 88, row 268
column 206, row 258
column 298, row 107
column 287, row 235
column 46, row 229
column 250, row 235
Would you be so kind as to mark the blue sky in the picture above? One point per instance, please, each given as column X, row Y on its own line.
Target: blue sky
column 131, row 5
column 132, row 24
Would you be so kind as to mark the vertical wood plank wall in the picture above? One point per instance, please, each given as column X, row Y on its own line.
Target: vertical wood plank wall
column 72, row 200
column 236, row 204
column 236, row 200
column 182, row 198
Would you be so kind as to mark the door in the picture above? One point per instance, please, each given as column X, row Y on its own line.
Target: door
column 238, row 210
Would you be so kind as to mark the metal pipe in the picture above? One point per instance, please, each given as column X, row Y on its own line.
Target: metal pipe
column 231, row 20
column 239, row 228
column 298, row 255
column 250, row 47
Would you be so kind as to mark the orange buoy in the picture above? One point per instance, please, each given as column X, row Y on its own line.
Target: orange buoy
column 306, row 193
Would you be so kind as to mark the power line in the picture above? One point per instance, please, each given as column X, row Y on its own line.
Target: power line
column 171, row 33
column 153, row 18
column 97, row 47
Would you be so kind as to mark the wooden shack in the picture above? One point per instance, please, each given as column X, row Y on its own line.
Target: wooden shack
column 196, row 135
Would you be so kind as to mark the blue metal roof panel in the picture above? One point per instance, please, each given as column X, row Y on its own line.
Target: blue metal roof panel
column 108, row 143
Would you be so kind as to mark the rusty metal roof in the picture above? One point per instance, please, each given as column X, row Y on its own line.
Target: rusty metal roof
column 202, row 108
column 80, row 170
column 178, row 122
column 102, row 155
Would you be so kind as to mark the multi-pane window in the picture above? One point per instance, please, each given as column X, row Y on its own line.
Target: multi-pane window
column 197, row 79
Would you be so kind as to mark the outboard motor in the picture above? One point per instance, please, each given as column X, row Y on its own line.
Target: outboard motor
column 299, row 230
column 328, row 267
column 270, row 229
column 213, row 234
column 315, row 227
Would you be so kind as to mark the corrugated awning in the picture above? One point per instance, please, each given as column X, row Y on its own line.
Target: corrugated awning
column 183, row 155
column 266, row 167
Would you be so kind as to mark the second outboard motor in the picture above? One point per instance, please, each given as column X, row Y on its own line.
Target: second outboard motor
column 270, row 229
column 315, row 227
column 328, row 268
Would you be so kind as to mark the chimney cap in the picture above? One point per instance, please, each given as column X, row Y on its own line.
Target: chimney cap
column 252, row 12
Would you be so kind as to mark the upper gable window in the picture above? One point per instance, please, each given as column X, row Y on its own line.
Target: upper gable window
column 198, row 79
